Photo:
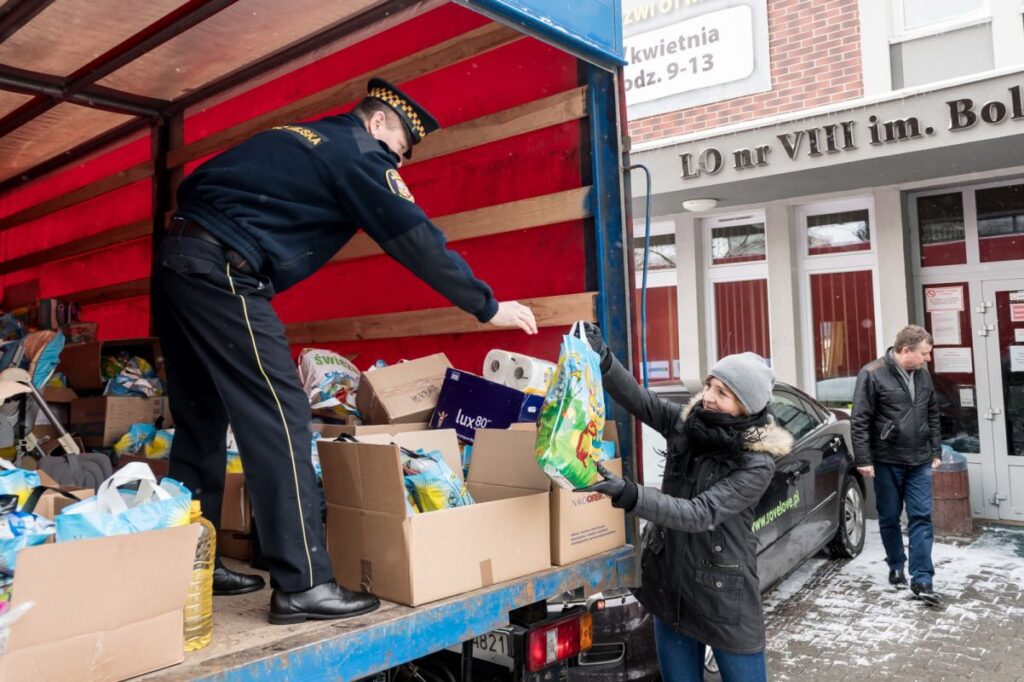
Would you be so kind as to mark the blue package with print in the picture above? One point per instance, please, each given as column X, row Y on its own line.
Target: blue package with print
column 468, row 402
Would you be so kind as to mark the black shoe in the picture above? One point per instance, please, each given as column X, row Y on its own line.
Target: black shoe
column 326, row 601
column 898, row 580
column 924, row 592
column 228, row 582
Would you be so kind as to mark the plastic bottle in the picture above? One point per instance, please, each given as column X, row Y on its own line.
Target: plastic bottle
column 199, row 607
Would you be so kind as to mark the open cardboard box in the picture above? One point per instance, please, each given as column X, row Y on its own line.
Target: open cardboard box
column 582, row 524
column 403, row 393
column 332, row 431
column 104, row 610
column 82, row 362
column 102, row 420
column 416, row 559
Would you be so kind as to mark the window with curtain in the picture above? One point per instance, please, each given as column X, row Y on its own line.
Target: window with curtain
column 919, row 14
column 741, row 317
column 843, row 318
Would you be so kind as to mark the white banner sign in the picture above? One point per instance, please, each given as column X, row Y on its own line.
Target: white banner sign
column 710, row 49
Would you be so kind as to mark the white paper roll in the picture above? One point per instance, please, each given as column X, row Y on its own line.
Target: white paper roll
column 530, row 375
column 498, row 366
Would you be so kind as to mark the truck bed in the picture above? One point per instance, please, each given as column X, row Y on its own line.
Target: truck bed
column 246, row 647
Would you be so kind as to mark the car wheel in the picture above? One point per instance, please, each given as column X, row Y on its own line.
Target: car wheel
column 849, row 538
column 711, row 672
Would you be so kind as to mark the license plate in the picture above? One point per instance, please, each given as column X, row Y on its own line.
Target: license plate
column 495, row 646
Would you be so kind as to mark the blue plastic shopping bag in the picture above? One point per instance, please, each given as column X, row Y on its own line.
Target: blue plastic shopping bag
column 119, row 511
column 17, row 482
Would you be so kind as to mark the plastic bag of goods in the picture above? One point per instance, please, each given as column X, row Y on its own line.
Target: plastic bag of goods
column 430, row 482
column 572, row 416
column 330, row 381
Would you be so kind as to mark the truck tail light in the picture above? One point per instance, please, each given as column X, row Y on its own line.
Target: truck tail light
column 558, row 641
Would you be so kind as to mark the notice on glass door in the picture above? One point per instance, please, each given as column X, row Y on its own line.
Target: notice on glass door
column 946, row 328
column 1017, row 312
column 1018, row 335
column 953, row 360
column 943, row 298
column 1016, row 358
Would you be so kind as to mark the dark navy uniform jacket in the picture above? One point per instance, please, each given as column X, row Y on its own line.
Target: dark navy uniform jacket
column 289, row 198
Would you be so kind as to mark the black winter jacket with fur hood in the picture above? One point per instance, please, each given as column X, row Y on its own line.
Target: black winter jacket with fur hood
column 699, row 560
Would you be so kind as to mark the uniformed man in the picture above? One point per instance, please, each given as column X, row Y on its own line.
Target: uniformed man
column 251, row 222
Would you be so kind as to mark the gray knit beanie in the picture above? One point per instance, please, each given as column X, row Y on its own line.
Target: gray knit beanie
column 749, row 377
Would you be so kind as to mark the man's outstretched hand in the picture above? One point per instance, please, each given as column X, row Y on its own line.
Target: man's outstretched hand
column 514, row 314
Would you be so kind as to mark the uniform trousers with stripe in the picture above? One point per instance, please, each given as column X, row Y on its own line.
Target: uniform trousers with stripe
column 228, row 361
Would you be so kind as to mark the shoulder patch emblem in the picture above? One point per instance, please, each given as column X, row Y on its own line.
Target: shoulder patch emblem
column 397, row 185
column 311, row 137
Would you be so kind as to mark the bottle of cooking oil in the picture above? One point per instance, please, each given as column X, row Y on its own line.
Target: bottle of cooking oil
column 199, row 607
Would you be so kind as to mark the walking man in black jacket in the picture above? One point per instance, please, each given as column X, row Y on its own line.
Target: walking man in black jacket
column 896, row 440
column 251, row 222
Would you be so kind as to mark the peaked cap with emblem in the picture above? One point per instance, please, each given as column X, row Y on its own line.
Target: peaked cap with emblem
column 418, row 121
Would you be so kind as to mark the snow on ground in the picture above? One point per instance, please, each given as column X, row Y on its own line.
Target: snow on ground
column 849, row 611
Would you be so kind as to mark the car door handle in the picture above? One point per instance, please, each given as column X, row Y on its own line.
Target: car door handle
column 794, row 470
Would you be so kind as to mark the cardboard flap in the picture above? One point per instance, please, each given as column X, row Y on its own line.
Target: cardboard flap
column 444, row 440
column 363, row 476
column 86, row 586
column 506, row 457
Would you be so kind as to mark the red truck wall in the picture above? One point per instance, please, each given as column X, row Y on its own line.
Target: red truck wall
column 537, row 262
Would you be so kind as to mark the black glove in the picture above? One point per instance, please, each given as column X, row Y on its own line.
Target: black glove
column 596, row 341
column 622, row 491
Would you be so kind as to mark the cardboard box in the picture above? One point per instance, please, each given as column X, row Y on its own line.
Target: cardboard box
column 416, row 559
column 402, row 393
column 161, row 467
column 236, row 512
column 80, row 362
column 52, row 503
column 332, row 431
column 582, row 524
column 234, row 545
column 469, row 402
column 101, row 420
column 105, row 610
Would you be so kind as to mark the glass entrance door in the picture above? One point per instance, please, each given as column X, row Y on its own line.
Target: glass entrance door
column 1003, row 302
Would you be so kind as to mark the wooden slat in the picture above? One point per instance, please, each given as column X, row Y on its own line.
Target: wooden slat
column 465, row 46
column 550, row 311
column 548, row 209
column 543, row 113
column 117, row 235
column 90, row 191
column 112, row 292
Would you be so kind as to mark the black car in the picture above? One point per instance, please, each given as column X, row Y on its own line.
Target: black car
column 814, row 503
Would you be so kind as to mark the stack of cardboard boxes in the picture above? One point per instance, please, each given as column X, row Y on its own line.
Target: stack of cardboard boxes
column 519, row 524
column 98, row 419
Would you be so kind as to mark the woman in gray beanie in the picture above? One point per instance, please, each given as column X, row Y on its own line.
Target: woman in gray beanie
column 699, row 560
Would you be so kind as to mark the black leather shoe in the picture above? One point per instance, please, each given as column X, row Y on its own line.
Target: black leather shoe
column 924, row 592
column 898, row 579
column 228, row 582
column 326, row 601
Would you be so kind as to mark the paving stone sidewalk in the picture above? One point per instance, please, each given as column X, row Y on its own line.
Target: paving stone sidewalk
column 833, row 621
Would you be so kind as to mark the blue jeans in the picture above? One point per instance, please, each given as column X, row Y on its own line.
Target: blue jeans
column 896, row 484
column 681, row 659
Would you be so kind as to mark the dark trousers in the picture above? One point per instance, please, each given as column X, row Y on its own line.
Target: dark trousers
column 228, row 361
column 896, row 485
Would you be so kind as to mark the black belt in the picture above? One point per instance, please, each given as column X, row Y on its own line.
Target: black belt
column 183, row 227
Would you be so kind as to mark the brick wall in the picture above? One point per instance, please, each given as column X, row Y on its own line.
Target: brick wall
column 814, row 47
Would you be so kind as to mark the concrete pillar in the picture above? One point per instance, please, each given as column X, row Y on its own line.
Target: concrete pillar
column 875, row 29
column 783, row 294
column 894, row 266
column 1007, row 33
column 690, row 300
